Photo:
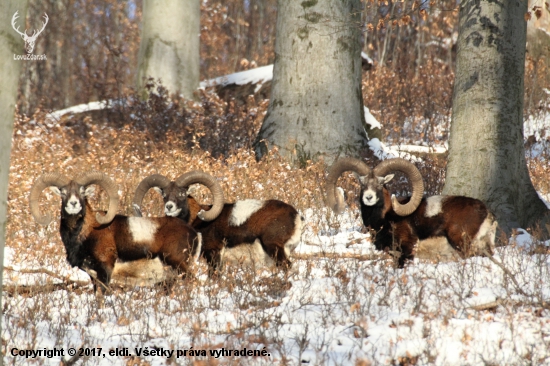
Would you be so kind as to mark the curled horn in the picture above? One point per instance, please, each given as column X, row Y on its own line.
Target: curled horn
column 109, row 186
column 197, row 176
column 43, row 182
column 335, row 199
column 155, row 180
column 415, row 178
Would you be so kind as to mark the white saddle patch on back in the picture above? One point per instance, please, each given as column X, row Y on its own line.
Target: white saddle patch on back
column 142, row 229
column 433, row 205
column 242, row 210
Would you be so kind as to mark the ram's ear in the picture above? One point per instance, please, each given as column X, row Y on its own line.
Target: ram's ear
column 87, row 191
column 360, row 178
column 183, row 192
column 386, row 179
column 159, row 190
column 56, row 190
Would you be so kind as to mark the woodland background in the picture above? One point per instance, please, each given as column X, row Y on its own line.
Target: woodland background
column 370, row 312
column 92, row 55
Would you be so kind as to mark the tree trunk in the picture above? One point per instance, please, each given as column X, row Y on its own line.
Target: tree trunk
column 538, row 38
column 316, row 105
column 487, row 158
column 10, row 44
column 169, row 48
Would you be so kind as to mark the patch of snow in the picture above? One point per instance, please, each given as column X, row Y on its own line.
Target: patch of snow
column 365, row 57
column 525, row 240
column 537, row 126
column 80, row 108
column 370, row 119
column 545, row 198
column 383, row 152
column 258, row 75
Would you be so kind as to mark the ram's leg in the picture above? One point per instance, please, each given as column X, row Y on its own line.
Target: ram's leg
column 168, row 284
column 459, row 240
column 404, row 258
column 405, row 250
column 179, row 261
column 278, row 252
column 405, row 244
column 214, row 260
column 175, row 256
column 103, row 277
column 100, row 273
column 182, row 253
column 102, row 262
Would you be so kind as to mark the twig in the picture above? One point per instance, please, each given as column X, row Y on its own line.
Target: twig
column 361, row 257
column 311, row 244
column 487, row 306
column 13, row 290
column 512, row 277
column 36, row 271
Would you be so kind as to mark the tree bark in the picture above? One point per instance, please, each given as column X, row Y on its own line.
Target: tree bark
column 10, row 44
column 316, row 105
column 487, row 158
column 169, row 48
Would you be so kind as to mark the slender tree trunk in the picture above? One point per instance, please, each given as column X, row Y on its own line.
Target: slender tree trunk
column 395, row 50
column 260, row 26
column 388, row 33
column 487, row 158
column 10, row 44
column 316, row 105
column 239, row 35
column 63, row 67
column 538, row 39
column 420, row 43
column 169, row 48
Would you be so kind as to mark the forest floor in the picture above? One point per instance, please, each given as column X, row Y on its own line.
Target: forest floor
column 341, row 303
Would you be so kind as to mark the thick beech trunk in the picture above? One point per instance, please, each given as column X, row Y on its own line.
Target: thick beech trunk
column 487, row 158
column 169, row 48
column 316, row 106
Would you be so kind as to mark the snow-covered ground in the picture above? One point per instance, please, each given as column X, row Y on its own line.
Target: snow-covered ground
column 344, row 303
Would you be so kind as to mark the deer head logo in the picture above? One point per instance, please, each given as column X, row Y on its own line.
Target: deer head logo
column 29, row 40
